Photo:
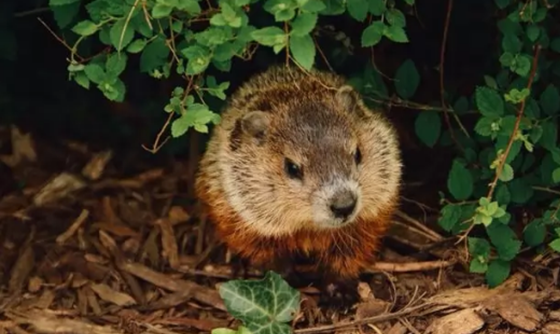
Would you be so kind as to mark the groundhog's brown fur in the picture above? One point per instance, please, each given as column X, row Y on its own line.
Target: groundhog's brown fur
column 270, row 213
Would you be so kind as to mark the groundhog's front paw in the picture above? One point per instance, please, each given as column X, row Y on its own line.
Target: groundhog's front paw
column 339, row 296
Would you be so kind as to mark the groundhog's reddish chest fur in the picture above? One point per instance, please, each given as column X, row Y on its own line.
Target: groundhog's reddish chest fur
column 344, row 253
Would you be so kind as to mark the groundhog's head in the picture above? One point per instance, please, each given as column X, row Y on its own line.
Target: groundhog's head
column 304, row 161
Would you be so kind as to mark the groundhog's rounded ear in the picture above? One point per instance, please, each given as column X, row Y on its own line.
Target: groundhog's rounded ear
column 255, row 123
column 346, row 96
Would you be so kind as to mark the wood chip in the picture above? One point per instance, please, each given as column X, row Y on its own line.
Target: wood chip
column 59, row 187
column 516, row 310
column 109, row 295
column 466, row 321
column 95, row 167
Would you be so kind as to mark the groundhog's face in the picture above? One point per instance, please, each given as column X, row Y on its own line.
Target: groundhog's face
column 318, row 164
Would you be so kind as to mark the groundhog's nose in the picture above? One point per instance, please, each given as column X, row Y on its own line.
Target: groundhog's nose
column 343, row 204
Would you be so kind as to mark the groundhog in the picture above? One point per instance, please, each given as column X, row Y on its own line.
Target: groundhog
column 299, row 169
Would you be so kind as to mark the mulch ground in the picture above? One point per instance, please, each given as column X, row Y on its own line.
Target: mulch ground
column 88, row 248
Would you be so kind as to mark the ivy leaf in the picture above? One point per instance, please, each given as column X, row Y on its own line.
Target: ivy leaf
column 498, row 271
column 396, row 34
column 550, row 100
column 266, row 303
column 85, row 28
column 304, row 24
column 372, row 34
column 428, row 127
column 303, row 50
column 121, row 35
column 407, row 79
column 358, row 9
column 489, row 102
column 460, row 181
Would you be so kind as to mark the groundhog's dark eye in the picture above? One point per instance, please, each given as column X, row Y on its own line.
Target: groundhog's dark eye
column 358, row 156
column 293, row 170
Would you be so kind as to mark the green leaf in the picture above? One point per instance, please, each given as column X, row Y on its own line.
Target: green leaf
column 460, row 181
column 522, row 65
column 555, row 245
column 195, row 116
column 191, row 6
column 556, row 175
column 549, row 135
column 303, row 50
column 269, row 36
column 502, row 3
column 116, row 64
column 82, row 80
column 407, row 79
column 372, row 34
column 267, row 303
column 507, row 173
column 304, row 24
column 505, row 241
column 136, row 46
column 503, row 195
column 534, row 233
column 511, row 43
column 65, row 14
column 154, row 55
column 489, row 102
column 198, row 57
column 358, row 9
column 484, row 126
column 428, row 127
column 95, row 73
column 85, row 28
column 396, row 18
column 450, row 216
column 114, row 91
column 377, row 7
column 550, row 100
column 477, row 266
column 160, row 11
column 314, row 6
column 121, row 35
column 396, row 34
column 62, row 2
column 498, row 271
column 533, row 32
column 521, row 190
column 478, row 247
